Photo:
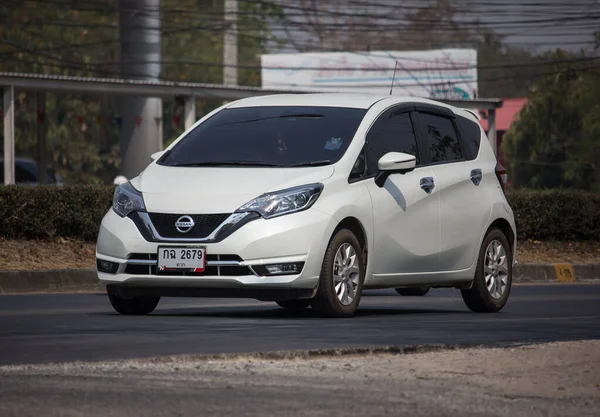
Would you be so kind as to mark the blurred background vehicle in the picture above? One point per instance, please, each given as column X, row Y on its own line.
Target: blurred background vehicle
column 26, row 172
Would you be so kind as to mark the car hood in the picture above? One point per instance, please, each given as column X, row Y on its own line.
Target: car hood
column 196, row 190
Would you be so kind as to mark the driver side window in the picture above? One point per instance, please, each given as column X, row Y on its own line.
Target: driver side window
column 393, row 133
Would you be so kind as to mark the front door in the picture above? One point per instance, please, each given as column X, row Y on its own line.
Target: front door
column 406, row 210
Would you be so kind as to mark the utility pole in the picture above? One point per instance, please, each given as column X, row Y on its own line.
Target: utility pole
column 230, row 43
column 141, row 117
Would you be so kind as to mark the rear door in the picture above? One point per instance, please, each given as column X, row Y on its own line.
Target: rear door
column 406, row 217
column 464, row 202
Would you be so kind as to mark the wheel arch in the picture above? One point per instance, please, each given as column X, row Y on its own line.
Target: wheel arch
column 506, row 228
column 355, row 226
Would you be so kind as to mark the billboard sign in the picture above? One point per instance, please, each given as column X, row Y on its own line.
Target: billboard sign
column 442, row 73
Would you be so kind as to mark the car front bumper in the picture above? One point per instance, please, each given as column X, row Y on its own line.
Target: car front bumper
column 299, row 237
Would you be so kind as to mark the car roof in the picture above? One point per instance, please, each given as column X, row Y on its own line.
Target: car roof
column 22, row 161
column 351, row 100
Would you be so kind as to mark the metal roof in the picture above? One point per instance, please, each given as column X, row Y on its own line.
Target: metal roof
column 149, row 88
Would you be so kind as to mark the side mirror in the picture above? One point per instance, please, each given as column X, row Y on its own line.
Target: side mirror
column 394, row 162
column 397, row 162
column 156, row 155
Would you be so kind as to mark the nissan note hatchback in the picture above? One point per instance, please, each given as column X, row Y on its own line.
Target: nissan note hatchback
column 307, row 200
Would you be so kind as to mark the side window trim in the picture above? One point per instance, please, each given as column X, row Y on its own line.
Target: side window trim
column 386, row 115
column 435, row 110
column 363, row 152
column 459, row 138
column 414, row 118
column 381, row 118
column 426, row 158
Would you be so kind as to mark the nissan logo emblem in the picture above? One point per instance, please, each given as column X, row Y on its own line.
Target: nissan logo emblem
column 184, row 224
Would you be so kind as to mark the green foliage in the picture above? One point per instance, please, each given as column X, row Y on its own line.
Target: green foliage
column 82, row 38
column 556, row 214
column 556, row 140
column 48, row 212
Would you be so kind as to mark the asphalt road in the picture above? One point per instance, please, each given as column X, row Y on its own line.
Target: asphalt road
column 66, row 327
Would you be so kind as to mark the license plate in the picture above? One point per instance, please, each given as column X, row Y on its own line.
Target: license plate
column 191, row 258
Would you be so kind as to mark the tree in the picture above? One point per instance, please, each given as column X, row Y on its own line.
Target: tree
column 556, row 140
column 82, row 38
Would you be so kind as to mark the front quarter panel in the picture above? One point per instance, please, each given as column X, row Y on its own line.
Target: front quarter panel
column 341, row 200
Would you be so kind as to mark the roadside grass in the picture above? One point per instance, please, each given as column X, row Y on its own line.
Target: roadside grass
column 75, row 254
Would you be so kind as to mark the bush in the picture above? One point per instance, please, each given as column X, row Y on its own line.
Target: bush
column 556, row 214
column 75, row 212
column 46, row 212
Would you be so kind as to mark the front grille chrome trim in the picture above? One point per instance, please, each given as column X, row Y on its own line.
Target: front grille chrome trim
column 141, row 262
column 208, row 263
column 233, row 219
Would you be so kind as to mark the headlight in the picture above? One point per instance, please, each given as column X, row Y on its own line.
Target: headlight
column 127, row 199
column 283, row 202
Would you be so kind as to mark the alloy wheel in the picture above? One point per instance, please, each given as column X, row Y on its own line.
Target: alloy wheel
column 496, row 269
column 346, row 274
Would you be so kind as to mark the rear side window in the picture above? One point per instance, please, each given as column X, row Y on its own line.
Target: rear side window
column 394, row 134
column 470, row 135
column 440, row 139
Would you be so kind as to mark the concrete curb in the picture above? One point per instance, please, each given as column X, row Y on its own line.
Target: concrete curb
column 55, row 280
column 86, row 280
column 557, row 273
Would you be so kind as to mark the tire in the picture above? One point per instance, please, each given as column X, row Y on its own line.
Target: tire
column 413, row 291
column 133, row 306
column 326, row 302
column 295, row 305
column 479, row 298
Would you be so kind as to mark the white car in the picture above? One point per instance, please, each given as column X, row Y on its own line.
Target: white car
column 307, row 200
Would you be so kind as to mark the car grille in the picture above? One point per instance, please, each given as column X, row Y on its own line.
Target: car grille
column 233, row 270
column 204, row 224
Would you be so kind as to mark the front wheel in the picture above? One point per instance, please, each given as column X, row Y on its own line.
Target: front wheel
column 342, row 276
column 493, row 276
column 133, row 306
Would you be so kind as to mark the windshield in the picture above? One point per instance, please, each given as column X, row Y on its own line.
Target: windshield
column 268, row 136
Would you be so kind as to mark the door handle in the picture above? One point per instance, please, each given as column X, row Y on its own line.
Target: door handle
column 427, row 184
column 476, row 176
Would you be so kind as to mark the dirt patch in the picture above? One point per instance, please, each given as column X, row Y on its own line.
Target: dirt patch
column 74, row 254
column 537, row 252
column 557, row 379
column 58, row 254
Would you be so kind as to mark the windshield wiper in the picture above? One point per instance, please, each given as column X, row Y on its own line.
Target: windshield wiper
column 311, row 163
column 226, row 163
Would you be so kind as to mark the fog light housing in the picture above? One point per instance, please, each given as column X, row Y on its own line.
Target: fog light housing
column 107, row 267
column 289, row 268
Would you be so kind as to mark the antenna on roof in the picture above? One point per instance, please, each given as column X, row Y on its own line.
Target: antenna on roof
column 394, row 77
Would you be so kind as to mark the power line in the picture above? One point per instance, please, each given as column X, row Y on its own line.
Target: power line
column 452, row 66
column 377, row 26
column 307, row 86
column 511, row 77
